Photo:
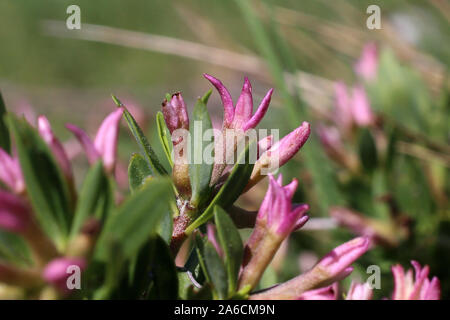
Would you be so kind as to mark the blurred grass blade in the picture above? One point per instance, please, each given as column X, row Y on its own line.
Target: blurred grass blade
column 216, row 271
column 46, row 186
column 315, row 160
column 142, row 141
column 13, row 249
column 138, row 171
column 200, row 171
column 5, row 142
column 368, row 150
column 164, row 137
column 232, row 246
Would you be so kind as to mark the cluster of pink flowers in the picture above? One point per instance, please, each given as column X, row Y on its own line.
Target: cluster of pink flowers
column 16, row 215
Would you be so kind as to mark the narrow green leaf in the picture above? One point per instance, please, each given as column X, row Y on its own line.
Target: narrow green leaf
column 47, row 189
column 230, row 191
column 164, row 273
column 216, row 271
column 135, row 220
column 14, row 249
column 5, row 142
column 164, row 137
column 138, row 171
column 199, row 169
column 232, row 246
column 95, row 198
column 142, row 141
column 367, row 150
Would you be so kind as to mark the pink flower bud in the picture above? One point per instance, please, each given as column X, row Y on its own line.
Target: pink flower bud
column 280, row 153
column 367, row 65
column 175, row 113
column 57, row 272
column 420, row 288
column 10, row 172
column 336, row 264
column 105, row 143
column 240, row 117
column 359, row 291
column 14, row 213
column 55, row 145
column 327, row 293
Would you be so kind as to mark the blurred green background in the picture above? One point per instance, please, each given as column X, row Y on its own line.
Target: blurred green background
column 298, row 47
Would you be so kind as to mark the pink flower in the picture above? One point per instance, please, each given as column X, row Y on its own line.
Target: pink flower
column 362, row 113
column 175, row 113
column 45, row 130
column 354, row 110
column 279, row 153
column 57, row 272
column 14, row 213
column 359, row 291
column 420, row 288
column 241, row 116
column 367, row 65
column 277, row 211
column 105, row 143
column 276, row 219
column 335, row 266
column 327, row 293
column 10, row 172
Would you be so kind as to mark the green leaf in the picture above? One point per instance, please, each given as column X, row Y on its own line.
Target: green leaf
column 165, row 228
column 138, row 171
column 136, row 220
column 216, row 271
column 5, row 142
column 367, row 150
column 46, row 186
column 164, row 137
column 232, row 246
column 142, row 141
column 165, row 277
column 199, row 170
column 14, row 249
column 95, row 198
column 230, row 191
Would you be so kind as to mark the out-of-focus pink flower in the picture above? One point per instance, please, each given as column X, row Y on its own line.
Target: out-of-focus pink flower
column 241, row 116
column 420, row 288
column 331, row 268
column 362, row 113
column 175, row 113
column 382, row 232
column 359, row 291
column 46, row 132
column 14, row 213
column 354, row 110
column 367, row 65
column 57, row 272
column 343, row 113
column 327, row 293
column 105, row 143
column 276, row 219
column 279, row 153
column 10, row 172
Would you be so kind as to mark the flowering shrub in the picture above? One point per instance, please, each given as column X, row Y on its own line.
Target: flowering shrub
column 128, row 249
